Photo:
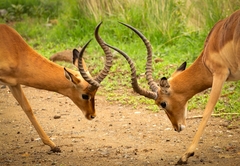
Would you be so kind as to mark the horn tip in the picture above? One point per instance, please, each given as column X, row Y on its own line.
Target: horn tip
column 98, row 26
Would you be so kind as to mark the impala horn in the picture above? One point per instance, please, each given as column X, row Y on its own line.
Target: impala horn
column 153, row 86
column 95, row 83
column 136, row 88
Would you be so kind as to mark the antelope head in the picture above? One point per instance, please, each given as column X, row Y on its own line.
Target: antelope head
column 165, row 94
column 87, row 85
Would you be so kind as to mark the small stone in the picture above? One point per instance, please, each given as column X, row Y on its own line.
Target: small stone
column 57, row 117
column 167, row 140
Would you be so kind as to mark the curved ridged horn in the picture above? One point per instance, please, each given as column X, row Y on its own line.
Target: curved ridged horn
column 109, row 57
column 136, row 88
column 95, row 83
column 153, row 85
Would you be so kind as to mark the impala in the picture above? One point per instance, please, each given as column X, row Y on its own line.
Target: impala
column 21, row 65
column 218, row 62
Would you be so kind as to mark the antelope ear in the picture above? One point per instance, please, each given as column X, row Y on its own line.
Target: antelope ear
column 164, row 85
column 180, row 69
column 71, row 77
column 75, row 57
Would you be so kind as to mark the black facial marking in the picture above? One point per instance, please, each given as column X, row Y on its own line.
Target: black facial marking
column 85, row 97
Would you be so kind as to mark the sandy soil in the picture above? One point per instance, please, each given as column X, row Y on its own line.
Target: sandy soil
column 120, row 135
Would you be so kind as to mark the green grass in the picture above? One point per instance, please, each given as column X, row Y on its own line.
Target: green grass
column 176, row 29
column 229, row 101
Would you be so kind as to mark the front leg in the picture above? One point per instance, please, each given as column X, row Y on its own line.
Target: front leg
column 20, row 97
column 214, row 96
column 193, row 146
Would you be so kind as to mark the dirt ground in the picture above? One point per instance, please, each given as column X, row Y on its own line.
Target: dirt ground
column 120, row 135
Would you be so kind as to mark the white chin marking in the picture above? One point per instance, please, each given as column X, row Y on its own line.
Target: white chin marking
column 182, row 127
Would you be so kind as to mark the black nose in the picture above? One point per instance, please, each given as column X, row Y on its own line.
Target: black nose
column 92, row 117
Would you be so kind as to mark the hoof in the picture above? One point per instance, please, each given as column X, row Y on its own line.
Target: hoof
column 184, row 158
column 181, row 162
column 56, row 150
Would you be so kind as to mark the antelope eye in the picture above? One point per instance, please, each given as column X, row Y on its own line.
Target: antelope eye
column 163, row 104
column 85, row 97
